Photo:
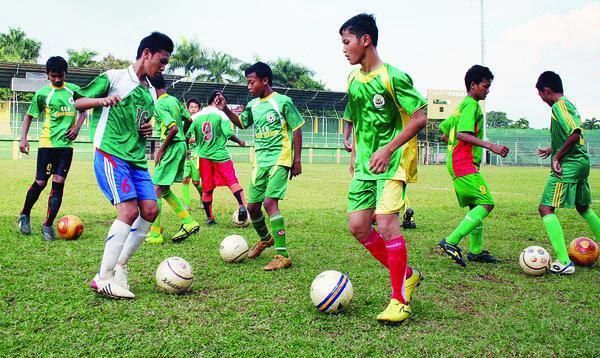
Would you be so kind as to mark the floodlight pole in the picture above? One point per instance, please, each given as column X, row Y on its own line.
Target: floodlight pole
column 483, row 64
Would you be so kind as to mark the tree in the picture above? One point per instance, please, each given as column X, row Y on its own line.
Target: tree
column 592, row 123
column 188, row 56
column 522, row 123
column 220, row 67
column 15, row 46
column 81, row 58
column 498, row 120
column 292, row 75
column 110, row 62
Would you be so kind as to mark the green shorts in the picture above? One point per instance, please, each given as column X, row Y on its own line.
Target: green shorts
column 385, row 196
column 268, row 182
column 472, row 190
column 559, row 194
column 191, row 168
column 171, row 165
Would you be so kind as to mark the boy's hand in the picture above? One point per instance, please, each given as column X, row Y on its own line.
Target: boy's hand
column 220, row 102
column 146, row 129
column 544, row 152
column 158, row 157
column 379, row 161
column 242, row 143
column 110, row 101
column 24, row 146
column 296, row 169
column 500, row 150
column 556, row 168
column 72, row 132
column 347, row 145
column 351, row 169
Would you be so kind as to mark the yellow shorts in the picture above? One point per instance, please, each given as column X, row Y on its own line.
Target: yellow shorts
column 385, row 196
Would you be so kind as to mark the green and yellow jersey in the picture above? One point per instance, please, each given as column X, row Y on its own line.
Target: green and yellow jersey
column 170, row 112
column 463, row 158
column 212, row 130
column 566, row 120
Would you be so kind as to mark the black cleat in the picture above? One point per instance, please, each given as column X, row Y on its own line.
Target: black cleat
column 242, row 214
column 48, row 233
column 483, row 256
column 25, row 224
column 211, row 222
column 453, row 251
column 409, row 221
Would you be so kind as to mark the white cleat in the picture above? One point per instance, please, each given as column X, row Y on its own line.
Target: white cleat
column 110, row 288
column 559, row 269
column 121, row 276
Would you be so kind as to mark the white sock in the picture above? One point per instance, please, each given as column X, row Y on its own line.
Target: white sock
column 137, row 235
column 112, row 248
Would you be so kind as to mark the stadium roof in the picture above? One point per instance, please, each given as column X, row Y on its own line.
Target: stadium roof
column 236, row 93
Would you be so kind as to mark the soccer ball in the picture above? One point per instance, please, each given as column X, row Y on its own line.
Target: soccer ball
column 583, row 251
column 535, row 260
column 234, row 248
column 174, row 275
column 69, row 227
column 236, row 222
column 331, row 291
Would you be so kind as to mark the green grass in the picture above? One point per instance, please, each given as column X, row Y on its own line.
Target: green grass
column 47, row 307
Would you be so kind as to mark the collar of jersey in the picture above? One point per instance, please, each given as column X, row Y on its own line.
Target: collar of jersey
column 268, row 97
column 367, row 77
column 58, row 88
column 163, row 95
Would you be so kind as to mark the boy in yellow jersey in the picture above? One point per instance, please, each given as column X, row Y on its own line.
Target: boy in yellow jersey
column 387, row 113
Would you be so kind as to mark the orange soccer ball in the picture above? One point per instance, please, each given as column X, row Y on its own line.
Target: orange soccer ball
column 69, row 227
column 583, row 251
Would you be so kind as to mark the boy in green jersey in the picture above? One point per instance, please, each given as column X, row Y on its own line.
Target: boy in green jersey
column 387, row 112
column 55, row 151
column 191, row 171
column 464, row 134
column 278, row 146
column 170, row 162
column 567, row 185
column 120, row 162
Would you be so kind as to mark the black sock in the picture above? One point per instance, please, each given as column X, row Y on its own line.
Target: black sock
column 33, row 194
column 238, row 196
column 208, row 209
column 54, row 202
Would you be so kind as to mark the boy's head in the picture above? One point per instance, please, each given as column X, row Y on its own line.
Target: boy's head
column 358, row 34
column 259, row 77
column 549, row 86
column 478, row 81
column 193, row 105
column 154, row 53
column 56, row 69
column 213, row 95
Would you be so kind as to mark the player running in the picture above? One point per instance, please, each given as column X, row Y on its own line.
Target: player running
column 191, row 171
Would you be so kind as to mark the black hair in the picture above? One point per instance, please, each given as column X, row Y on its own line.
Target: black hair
column 155, row 42
column 56, row 64
column 551, row 80
column 477, row 74
column 157, row 82
column 212, row 95
column 360, row 25
column 193, row 100
column 262, row 70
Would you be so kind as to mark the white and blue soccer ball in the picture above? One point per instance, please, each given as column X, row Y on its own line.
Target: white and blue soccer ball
column 331, row 291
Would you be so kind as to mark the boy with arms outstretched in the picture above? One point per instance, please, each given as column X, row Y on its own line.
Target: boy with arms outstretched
column 386, row 112
column 567, row 185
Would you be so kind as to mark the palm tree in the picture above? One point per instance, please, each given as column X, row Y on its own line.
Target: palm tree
column 188, row 56
column 221, row 68
column 81, row 58
column 16, row 46
column 111, row 62
column 292, row 75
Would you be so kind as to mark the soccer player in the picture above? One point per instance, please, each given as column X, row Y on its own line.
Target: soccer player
column 568, row 181
column 55, row 151
column 278, row 146
column 120, row 162
column 212, row 129
column 386, row 112
column 464, row 134
column 191, row 171
column 170, row 162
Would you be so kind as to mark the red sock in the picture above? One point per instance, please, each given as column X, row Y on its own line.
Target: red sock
column 397, row 263
column 376, row 246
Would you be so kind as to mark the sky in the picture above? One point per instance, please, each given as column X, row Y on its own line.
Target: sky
column 434, row 41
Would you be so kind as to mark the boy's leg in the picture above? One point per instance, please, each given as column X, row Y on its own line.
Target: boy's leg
column 208, row 186
column 582, row 204
column 226, row 171
column 185, row 190
column 207, row 201
column 256, row 195
column 276, row 188
column 43, row 172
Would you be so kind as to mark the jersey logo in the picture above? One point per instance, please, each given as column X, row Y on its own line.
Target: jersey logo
column 71, row 100
column 270, row 118
column 378, row 101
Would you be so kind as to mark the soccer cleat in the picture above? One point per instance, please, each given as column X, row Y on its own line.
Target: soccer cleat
column 453, row 251
column 25, row 224
column 484, row 256
column 155, row 239
column 211, row 222
column 259, row 247
column 395, row 312
column 409, row 221
column 242, row 214
column 109, row 288
column 559, row 269
column 188, row 208
column 48, row 233
column 121, row 275
column 186, row 231
column 279, row 262
column 411, row 283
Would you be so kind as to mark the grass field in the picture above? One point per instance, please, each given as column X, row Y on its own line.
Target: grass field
column 47, row 307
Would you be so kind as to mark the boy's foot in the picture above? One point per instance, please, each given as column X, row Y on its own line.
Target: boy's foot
column 155, row 239
column 484, row 256
column 48, row 233
column 188, row 208
column 279, row 262
column 411, row 283
column 453, row 251
column 559, row 269
column 211, row 222
column 109, row 288
column 185, row 231
column 395, row 312
column 259, row 247
column 409, row 221
column 25, row 224
column 121, row 276
column 242, row 214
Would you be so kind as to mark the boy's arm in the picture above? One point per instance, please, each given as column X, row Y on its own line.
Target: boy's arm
column 444, row 138
column 297, row 163
column 564, row 149
column 352, row 160
column 221, row 104
column 239, row 141
column 73, row 132
column 381, row 158
column 24, row 143
column 85, row 103
column 348, row 126
column 470, row 138
column 166, row 143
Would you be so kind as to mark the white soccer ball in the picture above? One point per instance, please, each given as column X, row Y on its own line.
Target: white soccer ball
column 535, row 260
column 174, row 275
column 234, row 248
column 331, row 291
column 236, row 222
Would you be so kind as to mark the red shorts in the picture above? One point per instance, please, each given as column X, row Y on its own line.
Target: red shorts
column 214, row 174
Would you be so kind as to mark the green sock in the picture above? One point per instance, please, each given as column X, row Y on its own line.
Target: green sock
column 476, row 241
column 155, row 228
column 261, row 228
column 557, row 238
column 185, row 193
column 177, row 206
column 593, row 222
column 199, row 188
column 470, row 222
column 278, row 227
